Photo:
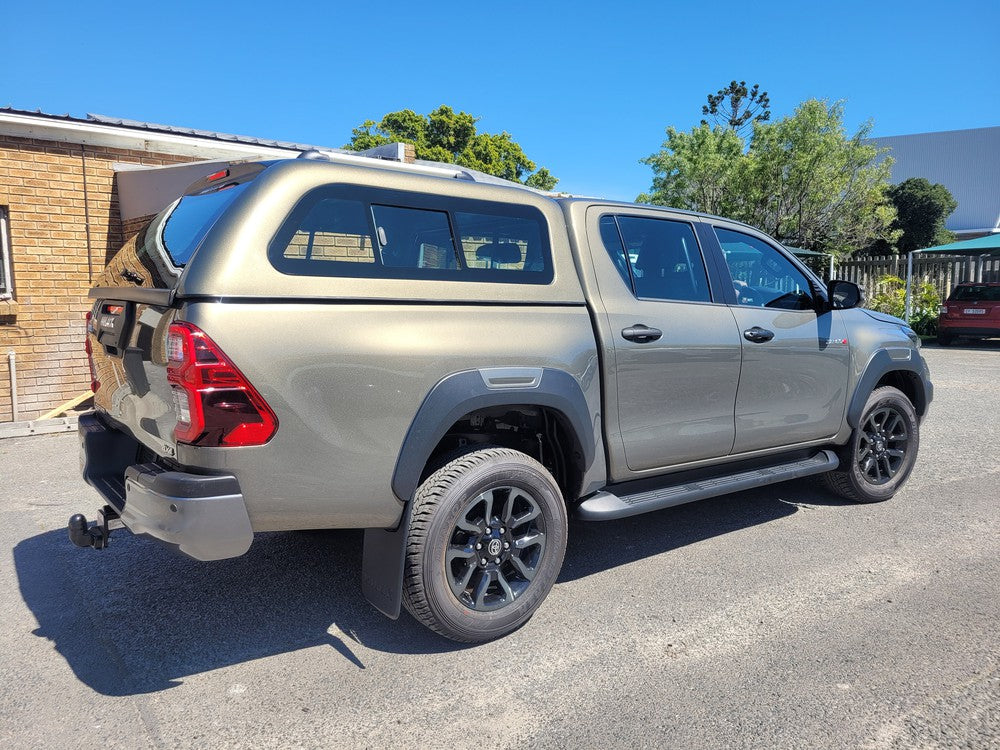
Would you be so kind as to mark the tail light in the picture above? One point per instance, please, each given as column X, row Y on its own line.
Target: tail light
column 943, row 310
column 88, row 347
column 215, row 404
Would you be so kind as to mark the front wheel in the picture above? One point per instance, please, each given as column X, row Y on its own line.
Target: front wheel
column 487, row 539
column 882, row 450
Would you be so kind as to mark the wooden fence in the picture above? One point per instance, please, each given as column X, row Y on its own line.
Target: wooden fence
column 942, row 271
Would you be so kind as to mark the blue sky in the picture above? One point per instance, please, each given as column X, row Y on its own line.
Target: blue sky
column 587, row 88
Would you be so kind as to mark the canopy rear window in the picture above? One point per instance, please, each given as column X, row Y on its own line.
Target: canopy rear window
column 175, row 233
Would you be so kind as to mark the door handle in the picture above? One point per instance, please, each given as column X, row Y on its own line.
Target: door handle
column 641, row 334
column 758, row 335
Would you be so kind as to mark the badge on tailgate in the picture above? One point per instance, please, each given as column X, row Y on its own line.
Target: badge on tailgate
column 113, row 323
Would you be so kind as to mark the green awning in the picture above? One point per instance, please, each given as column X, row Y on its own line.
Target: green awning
column 988, row 245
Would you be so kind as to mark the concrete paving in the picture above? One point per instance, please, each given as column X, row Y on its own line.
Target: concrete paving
column 778, row 618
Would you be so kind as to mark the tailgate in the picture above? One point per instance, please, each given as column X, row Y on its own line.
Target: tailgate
column 134, row 307
column 128, row 343
column 974, row 310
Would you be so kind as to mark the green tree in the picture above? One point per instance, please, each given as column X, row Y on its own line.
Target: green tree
column 701, row 170
column 452, row 137
column 802, row 179
column 736, row 106
column 921, row 209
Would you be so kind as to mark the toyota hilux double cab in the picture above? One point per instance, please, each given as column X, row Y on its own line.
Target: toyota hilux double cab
column 456, row 364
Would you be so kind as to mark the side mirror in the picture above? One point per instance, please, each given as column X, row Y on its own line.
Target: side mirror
column 844, row 295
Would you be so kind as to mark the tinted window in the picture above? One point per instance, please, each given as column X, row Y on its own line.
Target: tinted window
column 333, row 230
column 367, row 232
column 976, row 293
column 414, row 238
column 664, row 259
column 613, row 244
column 762, row 276
column 505, row 243
column 185, row 225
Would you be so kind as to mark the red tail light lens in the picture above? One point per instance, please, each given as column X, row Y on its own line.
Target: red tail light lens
column 215, row 404
column 88, row 347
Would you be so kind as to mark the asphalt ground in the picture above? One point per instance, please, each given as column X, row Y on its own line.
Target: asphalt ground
column 777, row 618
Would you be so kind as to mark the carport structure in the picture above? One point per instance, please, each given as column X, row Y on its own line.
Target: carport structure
column 975, row 252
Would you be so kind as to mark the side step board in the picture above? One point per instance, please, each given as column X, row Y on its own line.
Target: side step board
column 605, row 506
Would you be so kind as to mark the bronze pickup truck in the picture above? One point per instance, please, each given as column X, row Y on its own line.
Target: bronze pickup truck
column 455, row 364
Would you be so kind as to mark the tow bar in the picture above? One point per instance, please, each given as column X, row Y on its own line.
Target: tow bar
column 82, row 534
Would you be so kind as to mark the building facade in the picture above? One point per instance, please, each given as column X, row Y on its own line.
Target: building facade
column 967, row 162
column 61, row 220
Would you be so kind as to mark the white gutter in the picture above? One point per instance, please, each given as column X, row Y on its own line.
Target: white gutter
column 96, row 134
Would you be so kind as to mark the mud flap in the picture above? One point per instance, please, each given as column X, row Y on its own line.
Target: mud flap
column 382, row 562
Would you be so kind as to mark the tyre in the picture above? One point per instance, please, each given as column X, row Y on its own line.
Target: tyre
column 881, row 452
column 945, row 339
column 487, row 539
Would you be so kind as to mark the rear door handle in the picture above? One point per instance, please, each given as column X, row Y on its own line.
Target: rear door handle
column 758, row 335
column 641, row 334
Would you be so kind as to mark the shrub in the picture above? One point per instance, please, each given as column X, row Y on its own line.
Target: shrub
column 890, row 298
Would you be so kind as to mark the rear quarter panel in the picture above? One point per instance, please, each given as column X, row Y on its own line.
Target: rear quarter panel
column 346, row 379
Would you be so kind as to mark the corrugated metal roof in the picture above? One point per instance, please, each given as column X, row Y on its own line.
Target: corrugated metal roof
column 151, row 127
column 243, row 140
column 967, row 162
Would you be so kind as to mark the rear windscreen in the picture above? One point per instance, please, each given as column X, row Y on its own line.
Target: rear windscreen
column 976, row 294
column 179, row 229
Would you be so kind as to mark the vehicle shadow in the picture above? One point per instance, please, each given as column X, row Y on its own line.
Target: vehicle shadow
column 138, row 618
column 601, row 545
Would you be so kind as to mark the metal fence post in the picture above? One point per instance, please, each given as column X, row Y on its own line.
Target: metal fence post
column 909, row 285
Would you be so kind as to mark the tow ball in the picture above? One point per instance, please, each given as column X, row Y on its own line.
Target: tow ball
column 96, row 535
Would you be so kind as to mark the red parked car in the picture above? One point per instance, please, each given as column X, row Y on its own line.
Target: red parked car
column 972, row 310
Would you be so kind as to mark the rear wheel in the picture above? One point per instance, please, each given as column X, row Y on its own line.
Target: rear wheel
column 882, row 450
column 945, row 339
column 487, row 539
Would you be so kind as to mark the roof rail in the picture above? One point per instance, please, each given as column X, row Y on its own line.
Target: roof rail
column 359, row 159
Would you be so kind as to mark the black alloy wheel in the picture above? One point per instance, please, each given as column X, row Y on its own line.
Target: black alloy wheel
column 881, row 452
column 487, row 539
column 882, row 445
column 496, row 547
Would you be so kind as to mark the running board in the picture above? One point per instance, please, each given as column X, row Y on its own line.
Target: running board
column 605, row 506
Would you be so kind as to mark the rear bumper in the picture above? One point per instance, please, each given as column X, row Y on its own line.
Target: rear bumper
column 989, row 329
column 204, row 516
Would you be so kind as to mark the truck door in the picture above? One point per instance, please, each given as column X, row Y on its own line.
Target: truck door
column 670, row 390
column 793, row 386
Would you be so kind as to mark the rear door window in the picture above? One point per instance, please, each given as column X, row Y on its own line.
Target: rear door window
column 658, row 258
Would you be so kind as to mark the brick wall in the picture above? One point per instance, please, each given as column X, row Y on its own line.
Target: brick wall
column 64, row 226
column 358, row 249
column 331, row 246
